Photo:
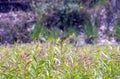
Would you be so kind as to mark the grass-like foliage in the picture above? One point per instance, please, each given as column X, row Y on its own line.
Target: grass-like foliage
column 90, row 29
column 59, row 60
column 117, row 32
column 53, row 34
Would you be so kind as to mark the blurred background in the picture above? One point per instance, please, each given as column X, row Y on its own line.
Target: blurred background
column 80, row 21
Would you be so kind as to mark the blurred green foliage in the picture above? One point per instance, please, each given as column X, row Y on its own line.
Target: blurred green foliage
column 56, row 18
column 117, row 31
column 59, row 61
column 90, row 29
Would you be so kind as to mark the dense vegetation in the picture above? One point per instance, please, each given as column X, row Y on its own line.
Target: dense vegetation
column 54, row 51
column 59, row 60
column 95, row 18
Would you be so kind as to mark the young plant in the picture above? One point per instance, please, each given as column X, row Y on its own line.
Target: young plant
column 90, row 30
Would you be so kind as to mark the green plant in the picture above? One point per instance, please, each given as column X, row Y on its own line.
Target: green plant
column 101, row 2
column 90, row 29
column 117, row 31
column 52, row 34
column 45, row 32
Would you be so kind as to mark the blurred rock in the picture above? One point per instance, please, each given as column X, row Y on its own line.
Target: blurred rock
column 20, row 1
column 16, row 26
column 81, row 40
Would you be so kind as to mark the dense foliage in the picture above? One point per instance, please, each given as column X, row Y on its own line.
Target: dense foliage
column 58, row 53
column 56, row 60
column 64, row 17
